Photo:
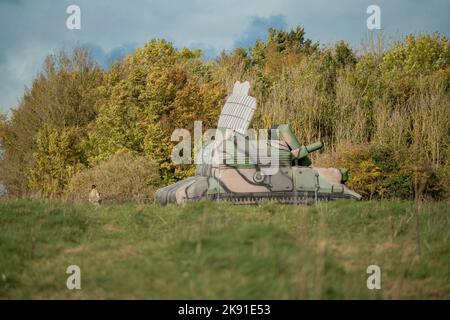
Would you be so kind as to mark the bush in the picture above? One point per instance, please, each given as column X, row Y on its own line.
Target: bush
column 123, row 178
column 377, row 171
column 374, row 171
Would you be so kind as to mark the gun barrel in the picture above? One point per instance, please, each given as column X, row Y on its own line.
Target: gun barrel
column 303, row 151
column 314, row 146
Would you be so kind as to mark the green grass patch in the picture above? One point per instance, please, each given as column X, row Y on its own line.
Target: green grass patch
column 217, row 251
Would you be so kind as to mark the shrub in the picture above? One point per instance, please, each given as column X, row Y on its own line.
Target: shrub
column 123, row 178
column 375, row 171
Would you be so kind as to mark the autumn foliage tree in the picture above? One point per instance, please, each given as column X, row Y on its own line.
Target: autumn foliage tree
column 63, row 96
column 147, row 96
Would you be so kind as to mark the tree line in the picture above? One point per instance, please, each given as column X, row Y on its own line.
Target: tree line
column 382, row 112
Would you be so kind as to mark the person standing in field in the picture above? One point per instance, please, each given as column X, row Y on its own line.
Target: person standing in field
column 94, row 196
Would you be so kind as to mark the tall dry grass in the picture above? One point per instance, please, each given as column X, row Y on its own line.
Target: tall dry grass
column 430, row 121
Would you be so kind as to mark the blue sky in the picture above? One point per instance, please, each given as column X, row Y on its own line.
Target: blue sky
column 32, row 29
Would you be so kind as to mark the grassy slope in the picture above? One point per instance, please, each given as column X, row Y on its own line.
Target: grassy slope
column 206, row 250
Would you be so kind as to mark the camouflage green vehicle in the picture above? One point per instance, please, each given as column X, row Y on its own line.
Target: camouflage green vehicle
column 237, row 168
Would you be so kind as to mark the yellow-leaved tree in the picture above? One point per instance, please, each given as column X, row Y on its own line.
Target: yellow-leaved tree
column 57, row 159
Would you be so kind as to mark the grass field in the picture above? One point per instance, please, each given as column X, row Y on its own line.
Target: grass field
column 208, row 250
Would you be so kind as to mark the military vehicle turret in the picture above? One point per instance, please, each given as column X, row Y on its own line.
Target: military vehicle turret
column 236, row 167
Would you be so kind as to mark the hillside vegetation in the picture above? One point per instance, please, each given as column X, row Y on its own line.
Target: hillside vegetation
column 381, row 111
column 213, row 251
